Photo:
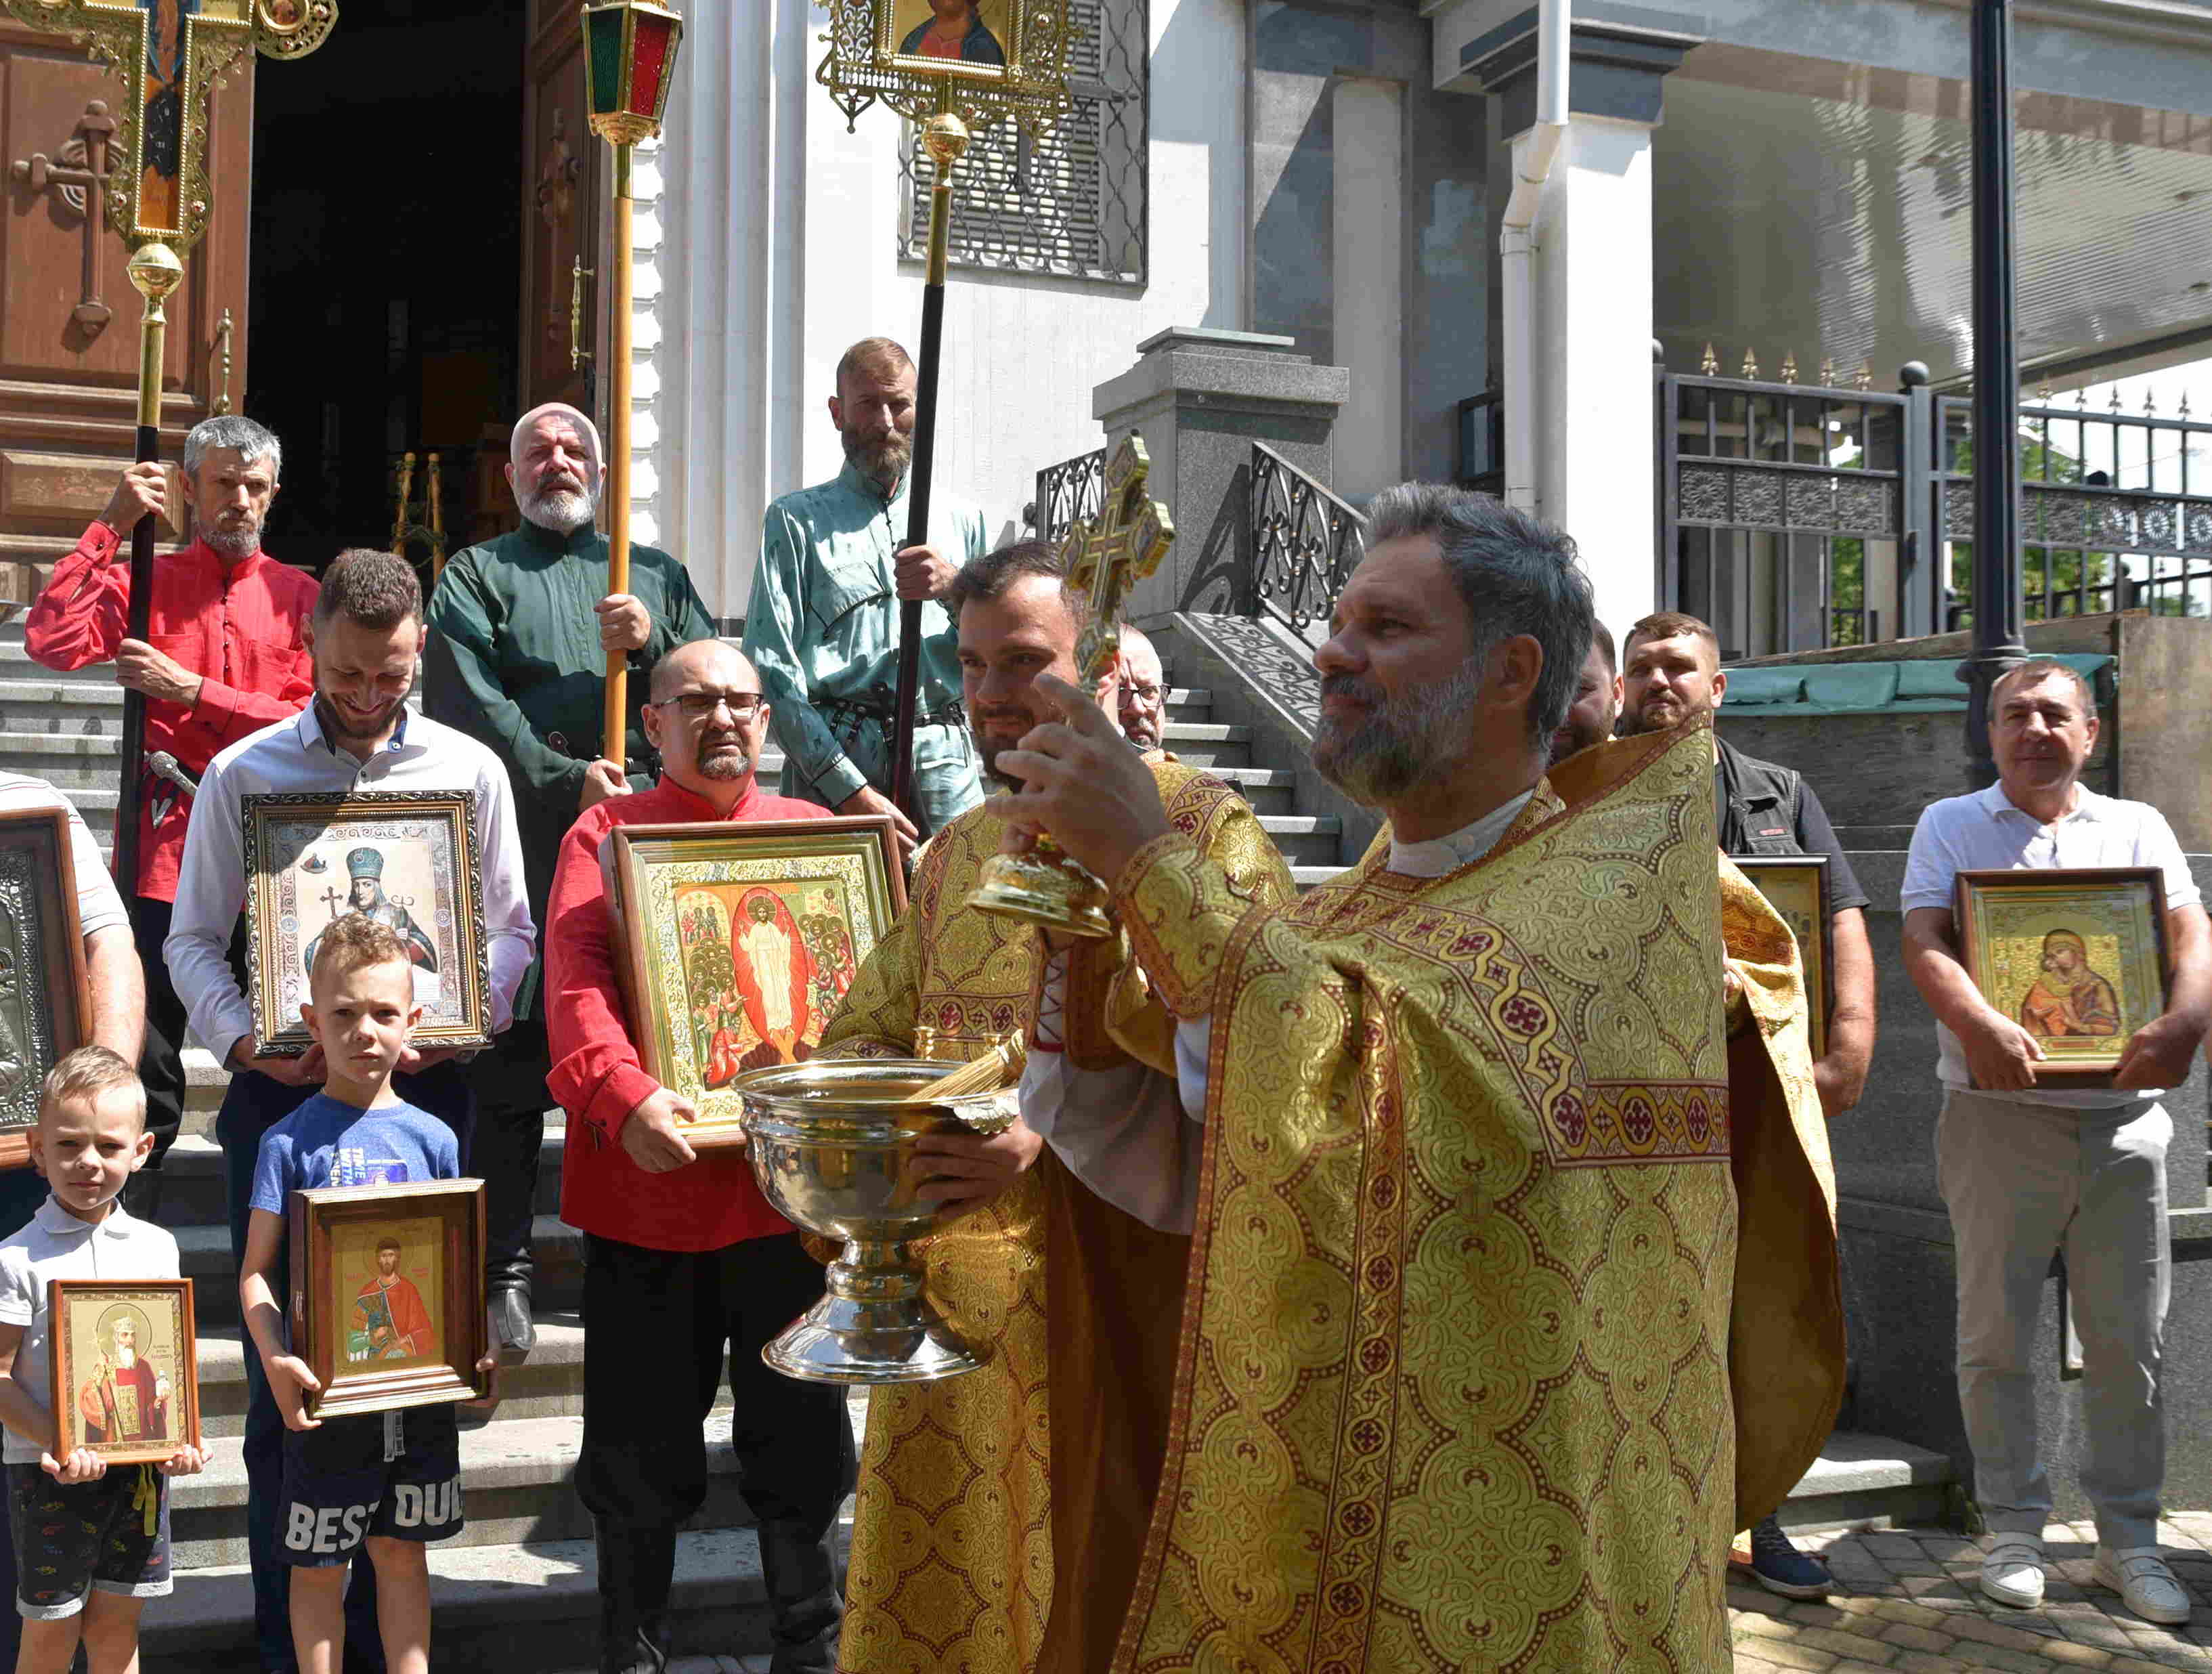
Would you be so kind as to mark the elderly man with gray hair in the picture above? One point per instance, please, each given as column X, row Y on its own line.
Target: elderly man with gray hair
column 521, row 628
column 224, row 656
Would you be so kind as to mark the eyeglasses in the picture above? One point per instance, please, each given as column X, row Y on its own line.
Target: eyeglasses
column 1144, row 694
column 698, row 705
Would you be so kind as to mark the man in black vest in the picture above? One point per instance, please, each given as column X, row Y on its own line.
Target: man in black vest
column 1671, row 673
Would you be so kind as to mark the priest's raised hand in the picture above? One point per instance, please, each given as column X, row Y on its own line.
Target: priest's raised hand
column 1083, row 784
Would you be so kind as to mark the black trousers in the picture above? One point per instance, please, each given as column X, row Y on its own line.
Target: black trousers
column 508, row 1080
column 161, row 1063
column 656, row 1325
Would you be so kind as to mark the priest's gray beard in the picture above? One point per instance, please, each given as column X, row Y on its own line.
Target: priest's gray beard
column 563, row 510
column 126, row 1358
column 1398, row 742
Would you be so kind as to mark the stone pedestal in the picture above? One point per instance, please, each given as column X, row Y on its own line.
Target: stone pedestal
column 1200, row 399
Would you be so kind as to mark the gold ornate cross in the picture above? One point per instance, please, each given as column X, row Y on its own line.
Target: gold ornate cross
column 1109, row 555
column 170, row 54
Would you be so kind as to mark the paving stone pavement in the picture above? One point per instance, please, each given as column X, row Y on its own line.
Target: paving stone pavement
column 1906, row 1600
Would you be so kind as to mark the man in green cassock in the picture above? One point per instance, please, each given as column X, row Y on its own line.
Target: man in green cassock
column 520, row 629
column 822, row 627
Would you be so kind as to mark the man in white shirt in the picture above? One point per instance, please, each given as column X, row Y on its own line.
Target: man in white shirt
column 2026, row 1170
column 356, row 736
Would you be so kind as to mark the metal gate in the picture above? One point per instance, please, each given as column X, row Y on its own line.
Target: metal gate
column 1794, row 517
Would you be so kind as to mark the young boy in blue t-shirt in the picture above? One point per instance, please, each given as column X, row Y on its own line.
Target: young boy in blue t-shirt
column 386, row 1482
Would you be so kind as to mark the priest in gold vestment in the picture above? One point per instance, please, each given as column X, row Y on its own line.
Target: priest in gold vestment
column 1475, row 1293
column 1001, row 1514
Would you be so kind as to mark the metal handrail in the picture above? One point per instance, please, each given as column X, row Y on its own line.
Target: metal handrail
column 1306, row 542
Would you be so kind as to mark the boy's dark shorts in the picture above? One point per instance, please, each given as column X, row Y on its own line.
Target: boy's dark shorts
column 71, row 1538
column 393, row 1474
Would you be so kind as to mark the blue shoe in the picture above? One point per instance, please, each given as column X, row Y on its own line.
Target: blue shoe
column 1781, row 1568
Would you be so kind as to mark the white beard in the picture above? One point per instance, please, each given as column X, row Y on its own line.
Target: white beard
column 126, row 1358
column 563, row 510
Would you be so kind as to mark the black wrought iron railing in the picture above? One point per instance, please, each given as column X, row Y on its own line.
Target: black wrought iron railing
column 1066, row 493
column 1794, row 517
column 1293, row 544
column 1306, row 543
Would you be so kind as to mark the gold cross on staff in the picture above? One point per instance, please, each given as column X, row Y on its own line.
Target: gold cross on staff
column 170, row 54
column 1107, row 557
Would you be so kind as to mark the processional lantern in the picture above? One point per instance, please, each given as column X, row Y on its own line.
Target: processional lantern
column 950, row 67
column 629, row 63
column 170, row 59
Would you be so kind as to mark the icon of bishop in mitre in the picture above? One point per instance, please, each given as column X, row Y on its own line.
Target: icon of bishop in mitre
column 366, row 896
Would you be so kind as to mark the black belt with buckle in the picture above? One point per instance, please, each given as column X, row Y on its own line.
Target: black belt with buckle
column 845, row 714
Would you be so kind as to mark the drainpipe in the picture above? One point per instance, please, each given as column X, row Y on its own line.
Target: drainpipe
column 1534, row 156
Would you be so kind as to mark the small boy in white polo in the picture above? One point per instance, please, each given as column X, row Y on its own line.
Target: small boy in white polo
column 91, row 1545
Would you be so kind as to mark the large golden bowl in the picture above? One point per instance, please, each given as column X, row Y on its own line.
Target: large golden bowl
column 832, row 1145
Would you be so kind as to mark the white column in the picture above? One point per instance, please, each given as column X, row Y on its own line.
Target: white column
column 1589, row 370
column 1368, row 122
column 721, row 283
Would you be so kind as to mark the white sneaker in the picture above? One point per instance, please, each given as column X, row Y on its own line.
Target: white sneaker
column 2147, row 1586
column 2012, row 1570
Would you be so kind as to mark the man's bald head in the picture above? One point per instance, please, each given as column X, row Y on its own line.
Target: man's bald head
column 705, row 715
column 1143, row 682
column 703, row 663
column 556, row 467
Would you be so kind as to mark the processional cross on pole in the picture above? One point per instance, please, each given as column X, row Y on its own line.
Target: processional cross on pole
column 1108, row 555
column 1105, row 557
column 171, row 55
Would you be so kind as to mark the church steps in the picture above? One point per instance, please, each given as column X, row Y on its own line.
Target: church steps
column 515, row 1486
column 15, row 663
column 67, row 761
column 549, row 1384
column 50, row 704
column 500, row 1609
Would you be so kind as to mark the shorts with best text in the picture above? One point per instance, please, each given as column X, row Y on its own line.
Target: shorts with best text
column 111, row 1534
column 393, row 1474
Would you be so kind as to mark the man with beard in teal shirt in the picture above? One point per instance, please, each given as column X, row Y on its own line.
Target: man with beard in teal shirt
column 822, row 627
column 519, row 631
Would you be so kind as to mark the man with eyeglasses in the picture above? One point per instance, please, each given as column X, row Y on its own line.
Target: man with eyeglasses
column 684, row 1261
column 1142, row 685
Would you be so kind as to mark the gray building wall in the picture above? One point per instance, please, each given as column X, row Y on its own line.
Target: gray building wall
column 1297, row 52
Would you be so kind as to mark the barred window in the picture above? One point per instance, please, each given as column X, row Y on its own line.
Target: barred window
column 1074, row 203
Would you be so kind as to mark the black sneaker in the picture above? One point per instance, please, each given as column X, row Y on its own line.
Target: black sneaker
column 1781, row 1568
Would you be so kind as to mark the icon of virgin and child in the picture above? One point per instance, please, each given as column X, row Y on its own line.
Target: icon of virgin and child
column 2069, row 999
column 760, row 983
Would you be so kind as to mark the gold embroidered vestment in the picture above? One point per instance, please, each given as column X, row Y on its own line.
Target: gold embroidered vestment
column 1001, row 1514
column 1454, row 1387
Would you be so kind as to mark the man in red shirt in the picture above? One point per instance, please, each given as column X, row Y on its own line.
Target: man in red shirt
column 684, row 1260
column 223, row 657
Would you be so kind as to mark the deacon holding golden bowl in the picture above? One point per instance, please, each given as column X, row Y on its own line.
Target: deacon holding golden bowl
column 1072, row 1298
